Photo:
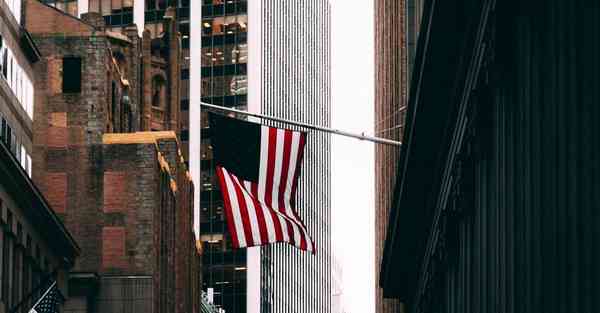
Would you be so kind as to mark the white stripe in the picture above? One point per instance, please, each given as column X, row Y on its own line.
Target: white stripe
column 271, row 236
column 291, row 170
column 264, row 158
column 235, row 208
column 289, row 183
column 288, row 190
column 278, row 167
column 251, row 212
column 276, row 181
column 262, row 181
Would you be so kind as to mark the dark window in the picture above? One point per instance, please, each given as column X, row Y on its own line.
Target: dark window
column 3, row 130
column 185, row 135
column 5, row 64
column 185, row 74
column 185, row 104
column 113, row 103
column 17, row 265
column 1, row 49
column 71, row 75
column 8, row 136
column 6, row 260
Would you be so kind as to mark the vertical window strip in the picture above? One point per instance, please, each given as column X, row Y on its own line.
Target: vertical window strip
column 19, row 82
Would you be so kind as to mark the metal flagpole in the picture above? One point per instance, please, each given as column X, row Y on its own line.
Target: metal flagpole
column 45, row 293
column 304, row 125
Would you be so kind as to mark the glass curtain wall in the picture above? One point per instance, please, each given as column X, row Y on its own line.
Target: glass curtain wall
column 224, row 82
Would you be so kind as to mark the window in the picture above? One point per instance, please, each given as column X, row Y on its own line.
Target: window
column 5, row 63
column 185, row 135
column 185, row 105
column 185, row 74
column 71, row 75
column 6, row 258
column 158, row 91
column 113, row 103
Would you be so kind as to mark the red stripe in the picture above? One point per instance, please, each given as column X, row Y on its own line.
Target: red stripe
column 271, row 148
column 285, row 166
column 228, row 212
column 301, row 144
column 270, row 165
column 260, row 213
column 243, row 211
column 270, row 181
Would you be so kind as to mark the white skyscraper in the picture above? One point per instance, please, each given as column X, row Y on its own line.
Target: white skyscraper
column 289, row 76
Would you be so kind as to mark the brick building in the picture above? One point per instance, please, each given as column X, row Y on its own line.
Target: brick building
column 108, row 158
column 396, row 34
column 390, row 101
column 35, row 246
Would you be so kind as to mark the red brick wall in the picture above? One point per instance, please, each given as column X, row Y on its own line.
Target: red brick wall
column 390, row 97
column 113, row 247
column 38, row 19
column 56, row 186
column 115, row 191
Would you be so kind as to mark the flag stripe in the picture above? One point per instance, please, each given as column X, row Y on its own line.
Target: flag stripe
column 258, row 212
column 262, row 180
column 273, row 228
column 243, row 212
column 287, row 157
column 235, row 209
column 248, row 212
column 279, row 145
column 299, row 157
column 276, row 144
column 228, row 208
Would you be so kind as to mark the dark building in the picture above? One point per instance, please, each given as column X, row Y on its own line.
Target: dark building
column 495, row 205
column 122, row 190
column 35, row 246
column 224, row 59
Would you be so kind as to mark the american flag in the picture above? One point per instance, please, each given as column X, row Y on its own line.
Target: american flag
column 258, row 168
column 48, row 303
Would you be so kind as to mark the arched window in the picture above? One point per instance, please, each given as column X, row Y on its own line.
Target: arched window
column 158, row 91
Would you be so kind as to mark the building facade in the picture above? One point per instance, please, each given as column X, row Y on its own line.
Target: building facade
column 289, row 77
column 147, row 15
column 223, row 59
column 495, row 205
column 108, row 158
column 390, row 104
column 35, row 247
column 396, row 32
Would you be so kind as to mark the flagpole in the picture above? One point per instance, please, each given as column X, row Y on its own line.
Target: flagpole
column 305, row 125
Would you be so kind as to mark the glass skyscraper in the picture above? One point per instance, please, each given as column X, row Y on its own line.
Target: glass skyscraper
column 224, row 59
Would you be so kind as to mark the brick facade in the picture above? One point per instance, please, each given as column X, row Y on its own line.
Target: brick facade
column 390, row 99
column 125, row 195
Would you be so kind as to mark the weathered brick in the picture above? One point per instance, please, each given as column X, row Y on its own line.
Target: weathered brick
column 57, row 137
column 56, row 191
column 113, row 247
column 115, row 191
